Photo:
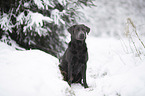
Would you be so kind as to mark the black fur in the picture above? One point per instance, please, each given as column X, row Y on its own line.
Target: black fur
column 74, row 61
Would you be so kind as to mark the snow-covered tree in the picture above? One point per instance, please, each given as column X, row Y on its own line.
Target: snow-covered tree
column 39, row 23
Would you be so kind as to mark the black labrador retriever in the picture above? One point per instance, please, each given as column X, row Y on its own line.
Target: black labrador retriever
column 73, row 63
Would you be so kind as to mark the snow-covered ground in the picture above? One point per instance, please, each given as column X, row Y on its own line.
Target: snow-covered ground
column 114, row 68
column 111, row 72
column 29, row 73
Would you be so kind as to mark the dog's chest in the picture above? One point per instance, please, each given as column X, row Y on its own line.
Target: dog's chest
column 79, row 53
column 78, row 50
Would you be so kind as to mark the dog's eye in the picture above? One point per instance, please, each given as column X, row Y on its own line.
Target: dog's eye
column 83, row 30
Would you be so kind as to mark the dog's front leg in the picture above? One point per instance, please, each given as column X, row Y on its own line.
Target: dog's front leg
column 84, row 67
column 70, row 78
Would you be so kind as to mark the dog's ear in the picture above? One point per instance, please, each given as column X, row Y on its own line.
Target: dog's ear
column 71, row 29
column 86, row 28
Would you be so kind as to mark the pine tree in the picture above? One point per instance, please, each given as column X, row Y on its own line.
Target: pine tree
column 39, row 24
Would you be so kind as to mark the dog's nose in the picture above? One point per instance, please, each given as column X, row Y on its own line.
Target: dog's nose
column 82, row 36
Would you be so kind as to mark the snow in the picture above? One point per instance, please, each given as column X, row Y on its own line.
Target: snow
column 114, row 71
column 114, row 68
column 44, row 3
column 56, row 16
column 110, row 16
column 34, row 20
column 5, row 22
column 29, row 73
column 110, row 72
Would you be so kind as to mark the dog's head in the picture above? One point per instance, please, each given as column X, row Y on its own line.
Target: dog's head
column 78, row 32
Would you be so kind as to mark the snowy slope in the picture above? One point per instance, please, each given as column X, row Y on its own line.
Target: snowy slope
column 111, row 72
column 29, row 73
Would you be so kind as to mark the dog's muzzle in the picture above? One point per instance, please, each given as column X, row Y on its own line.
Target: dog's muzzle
column 81, row 36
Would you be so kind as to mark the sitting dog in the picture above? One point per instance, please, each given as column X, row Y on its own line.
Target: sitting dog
column 73, row 64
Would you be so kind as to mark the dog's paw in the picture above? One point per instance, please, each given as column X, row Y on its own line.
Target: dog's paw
column 86, row 86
